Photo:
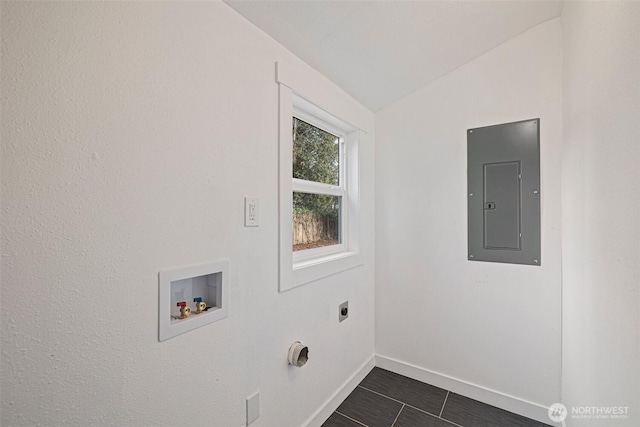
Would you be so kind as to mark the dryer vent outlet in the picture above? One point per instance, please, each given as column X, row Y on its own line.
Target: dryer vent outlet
column 298, row 354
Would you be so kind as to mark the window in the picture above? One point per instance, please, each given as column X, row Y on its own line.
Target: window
column 319, row 200
column 318, row 188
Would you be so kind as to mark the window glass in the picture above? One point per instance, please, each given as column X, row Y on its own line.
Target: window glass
column 316, row 220
column 316, row 154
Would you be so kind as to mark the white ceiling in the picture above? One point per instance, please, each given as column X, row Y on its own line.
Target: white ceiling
column 380, row 51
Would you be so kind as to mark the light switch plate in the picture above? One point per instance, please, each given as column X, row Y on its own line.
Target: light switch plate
column 251, row 212
column 253, row 407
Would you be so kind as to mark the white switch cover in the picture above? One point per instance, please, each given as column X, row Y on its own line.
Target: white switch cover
column 251, row 212
column 253, row 407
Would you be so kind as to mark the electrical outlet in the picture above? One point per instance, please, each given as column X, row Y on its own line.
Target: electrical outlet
column 343, row 311
column 251, row 212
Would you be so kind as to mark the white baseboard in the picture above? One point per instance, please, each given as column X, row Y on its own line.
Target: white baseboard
column 495, row 398
column 325, row 411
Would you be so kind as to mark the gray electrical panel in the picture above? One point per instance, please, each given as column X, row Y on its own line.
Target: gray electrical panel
column 503, row 180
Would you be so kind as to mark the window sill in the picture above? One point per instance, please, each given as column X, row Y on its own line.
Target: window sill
column 314, row 269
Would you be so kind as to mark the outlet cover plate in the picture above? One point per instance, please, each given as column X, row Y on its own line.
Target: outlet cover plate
column 253, row 407
column 251, row 212
column 343, row 311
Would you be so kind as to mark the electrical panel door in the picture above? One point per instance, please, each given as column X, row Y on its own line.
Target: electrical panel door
column 503, row 173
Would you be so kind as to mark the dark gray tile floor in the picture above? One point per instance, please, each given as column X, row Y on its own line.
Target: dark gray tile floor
column 386, row 399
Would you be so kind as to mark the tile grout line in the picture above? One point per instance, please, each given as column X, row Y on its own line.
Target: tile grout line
column 383, row 395
column 444, row 403
column 412, row 407
column 435, row 416
column 397, row 416
column 352, row 419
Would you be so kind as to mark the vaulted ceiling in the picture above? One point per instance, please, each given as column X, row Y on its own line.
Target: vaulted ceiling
column 380, row 51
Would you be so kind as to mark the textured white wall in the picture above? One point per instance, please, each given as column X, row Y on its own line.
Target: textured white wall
column 130, row 134
column 601, row 208
column 493, row 325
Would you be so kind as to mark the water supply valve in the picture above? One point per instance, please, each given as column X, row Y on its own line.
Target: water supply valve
column 201, row 306
column 185, row 310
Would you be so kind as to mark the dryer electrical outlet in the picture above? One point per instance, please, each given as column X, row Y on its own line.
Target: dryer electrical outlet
column 503, row 193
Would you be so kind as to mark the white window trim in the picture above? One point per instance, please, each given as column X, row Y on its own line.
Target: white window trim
column 315, row 264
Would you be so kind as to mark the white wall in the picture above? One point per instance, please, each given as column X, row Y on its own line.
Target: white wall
column 487, row 329
column 601, row 208
column 130, row 134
